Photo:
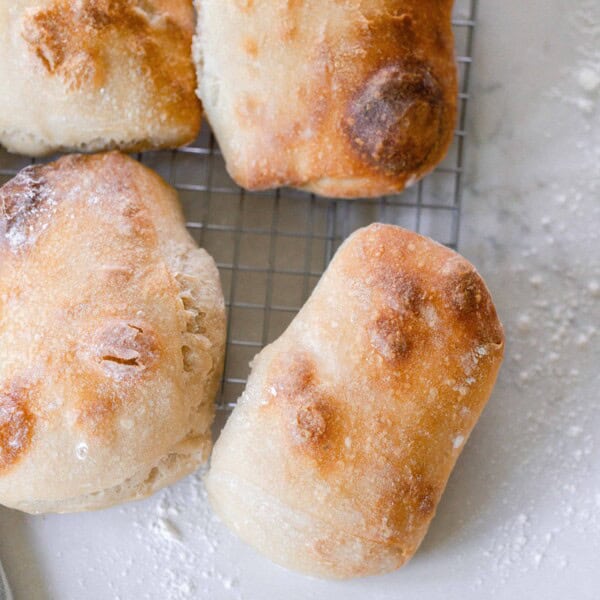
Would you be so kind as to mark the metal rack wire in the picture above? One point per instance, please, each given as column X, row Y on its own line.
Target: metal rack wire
column 271, row 248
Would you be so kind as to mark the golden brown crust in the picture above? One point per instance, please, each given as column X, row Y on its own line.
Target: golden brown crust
column 387, row 336
column 118, row 355
column 308, row 415
column 396, row 121
column 471, row 301
column 353, row 419
column 365, row 99
column 124, row 65
column 71, row 41
column 454, row 290
column 17, row 424
column 115, row 319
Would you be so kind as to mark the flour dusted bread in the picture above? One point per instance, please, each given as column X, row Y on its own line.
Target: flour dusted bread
column 111, row 336
column 339, row 450
column 96, row 74
column 350, row 98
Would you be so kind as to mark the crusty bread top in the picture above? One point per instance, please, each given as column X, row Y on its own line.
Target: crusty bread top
column 97, row 74
column 111, row 328
column 353, row 419
column 421, row 348
column 343, row 98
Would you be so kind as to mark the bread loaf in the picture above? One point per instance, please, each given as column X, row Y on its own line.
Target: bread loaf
column 111, row 336
column 96, row 74
column 352, row 98
column 340, row 448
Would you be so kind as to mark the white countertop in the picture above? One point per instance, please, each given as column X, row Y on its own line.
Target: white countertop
column 521, row 515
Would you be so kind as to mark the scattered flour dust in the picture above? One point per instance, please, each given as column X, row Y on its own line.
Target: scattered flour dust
column 550, row 495
column 584, row 87
column 177, row 537
column 183, row 518
column 550, row 338
column 554, row 342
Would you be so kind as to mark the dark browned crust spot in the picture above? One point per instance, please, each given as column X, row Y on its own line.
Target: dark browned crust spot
column 417, row 492
column 24, row 200
column 396, row 119
column 308, row 412
column 407, row 291
column 467, row 293
column 398, row 325
column 387, row 337
column 311, row 421
column 71, row 40
column 401, row 291
column 17, row 425
column 471, row 302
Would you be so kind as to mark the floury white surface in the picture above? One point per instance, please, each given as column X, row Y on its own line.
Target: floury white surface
column 521, row 515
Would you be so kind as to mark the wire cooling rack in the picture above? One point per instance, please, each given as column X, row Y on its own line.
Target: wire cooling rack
column 271, row 248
